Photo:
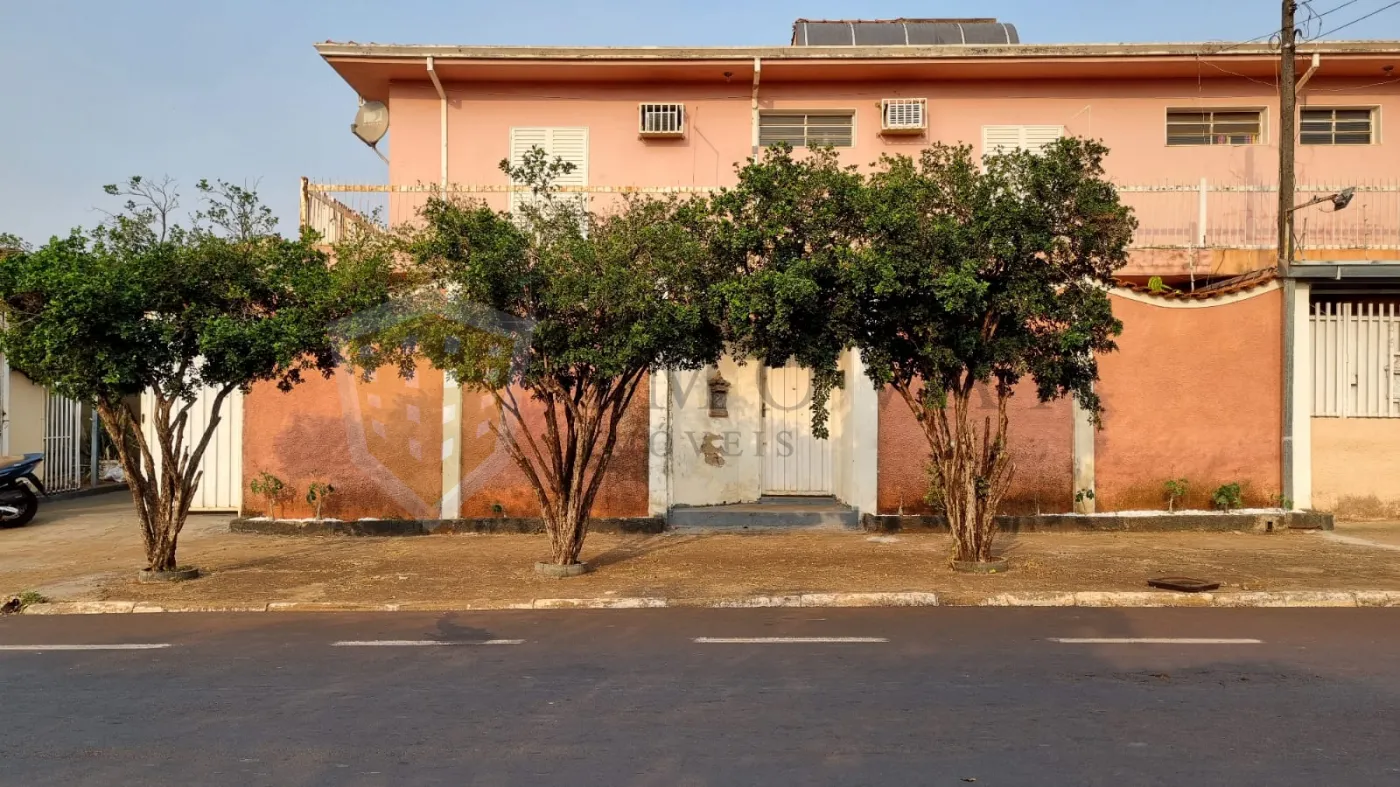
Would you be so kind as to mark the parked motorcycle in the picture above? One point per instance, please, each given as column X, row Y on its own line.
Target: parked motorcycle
column 19, row 489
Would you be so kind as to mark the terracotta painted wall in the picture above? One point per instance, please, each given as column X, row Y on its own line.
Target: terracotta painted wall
column 1194, row 392
column 1356, row 467
column 1041, row 440
column 491, row 478
column 379, row 443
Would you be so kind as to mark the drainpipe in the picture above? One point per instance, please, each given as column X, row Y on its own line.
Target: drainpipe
column 1312, row 69
column 442, row 94
column 757, row 72
column 451, row 503
column 1299, row 493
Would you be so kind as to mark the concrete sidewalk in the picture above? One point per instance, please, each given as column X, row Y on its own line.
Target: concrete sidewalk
column 88, row 551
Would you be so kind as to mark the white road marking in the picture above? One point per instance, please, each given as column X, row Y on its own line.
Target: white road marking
column 418, row 643
column 1153, row 641
column 785, row 640
column 117, row 646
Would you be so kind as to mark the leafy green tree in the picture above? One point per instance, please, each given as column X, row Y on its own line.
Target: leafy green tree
column 983, row 274
column 789, row 230
column 143, row 303
column 558, row 313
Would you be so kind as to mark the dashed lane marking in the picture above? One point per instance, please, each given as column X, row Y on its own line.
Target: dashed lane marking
column 420, row 643
column 788, row 640
column 1153, row 641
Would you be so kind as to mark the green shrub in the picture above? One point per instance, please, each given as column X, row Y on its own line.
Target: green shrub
column 1227, row 497
column 272, row 490
column 1176, row 489
column 316, row 495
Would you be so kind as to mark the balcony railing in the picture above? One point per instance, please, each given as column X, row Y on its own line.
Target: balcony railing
column 1200, row 215
column 1209, row 215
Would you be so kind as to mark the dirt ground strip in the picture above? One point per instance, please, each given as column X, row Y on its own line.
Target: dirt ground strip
column 90, row 549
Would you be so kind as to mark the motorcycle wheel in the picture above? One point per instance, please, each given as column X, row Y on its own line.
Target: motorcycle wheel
column 22, row 499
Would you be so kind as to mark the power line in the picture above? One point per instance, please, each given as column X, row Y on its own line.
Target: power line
column 1360, row 18
column 1312, row 15
column 1337, row 8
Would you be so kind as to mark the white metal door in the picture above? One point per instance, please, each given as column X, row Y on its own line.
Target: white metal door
column 62, row 469
column 794, row 461
column 221, row 487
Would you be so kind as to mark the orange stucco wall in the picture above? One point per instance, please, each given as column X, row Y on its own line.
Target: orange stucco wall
column 1193, row 392
column 490, row 478
column 1041, row 441
column 380, row 444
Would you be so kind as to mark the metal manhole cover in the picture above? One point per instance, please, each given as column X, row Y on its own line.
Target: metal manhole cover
column 1183, row 584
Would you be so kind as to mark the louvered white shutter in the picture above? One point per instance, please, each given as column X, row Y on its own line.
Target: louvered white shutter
column 996, row 139
column 569, row 144
column 1035, row 138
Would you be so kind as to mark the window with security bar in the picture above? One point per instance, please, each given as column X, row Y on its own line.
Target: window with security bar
column 1334, row 126
column 1215, row 126
column 807, row 129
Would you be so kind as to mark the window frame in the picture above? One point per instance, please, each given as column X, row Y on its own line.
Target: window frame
column 1375, row 127
column 1262, row 139
column 851, row 113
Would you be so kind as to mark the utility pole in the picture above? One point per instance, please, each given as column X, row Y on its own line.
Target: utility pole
column 1287, row 133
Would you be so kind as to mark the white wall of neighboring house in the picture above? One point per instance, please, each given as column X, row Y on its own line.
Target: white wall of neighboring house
column 24, row 415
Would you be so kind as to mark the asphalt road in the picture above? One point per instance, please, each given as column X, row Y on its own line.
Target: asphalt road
column 621, row 697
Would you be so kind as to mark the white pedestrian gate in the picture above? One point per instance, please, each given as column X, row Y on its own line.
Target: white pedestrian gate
column 221, row 487
column 795, row 462
column 62, row 469
column 1356, row 359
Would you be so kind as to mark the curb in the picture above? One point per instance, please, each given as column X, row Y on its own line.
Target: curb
column 1092, row 599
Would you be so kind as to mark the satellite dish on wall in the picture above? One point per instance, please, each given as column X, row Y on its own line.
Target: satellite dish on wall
column 371, row 122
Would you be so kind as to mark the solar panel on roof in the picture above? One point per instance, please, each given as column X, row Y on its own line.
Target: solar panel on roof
column 828, row 34
column 879, row 34
column 897, row 32
column 982, row 33
column 933, row 33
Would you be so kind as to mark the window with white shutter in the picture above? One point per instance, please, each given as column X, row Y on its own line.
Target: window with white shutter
column 569, row 144
column 996, row 139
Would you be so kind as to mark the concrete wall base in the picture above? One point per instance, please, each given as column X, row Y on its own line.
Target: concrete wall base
column 1071, row 523
column 423, row 527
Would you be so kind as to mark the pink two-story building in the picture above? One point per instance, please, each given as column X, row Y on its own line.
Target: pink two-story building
column 1203, row 387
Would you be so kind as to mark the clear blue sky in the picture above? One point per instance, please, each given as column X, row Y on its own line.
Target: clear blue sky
column 92, row 91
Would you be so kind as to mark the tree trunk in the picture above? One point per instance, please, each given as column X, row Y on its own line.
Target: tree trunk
column 566, row 464
column 970, row 473
column 162, row 494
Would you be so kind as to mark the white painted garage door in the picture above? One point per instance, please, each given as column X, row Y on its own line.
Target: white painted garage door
column 221, row 488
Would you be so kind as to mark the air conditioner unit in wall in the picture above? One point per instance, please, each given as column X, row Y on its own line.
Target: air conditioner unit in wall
column 661, row 120
column 903, row 115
